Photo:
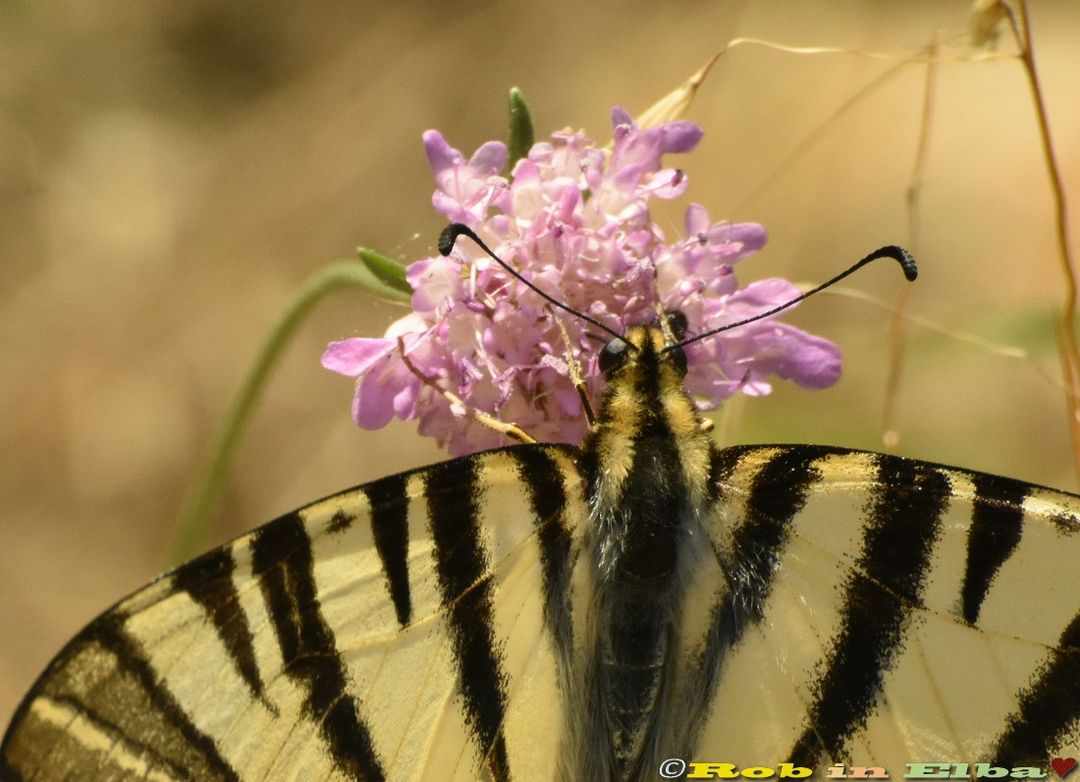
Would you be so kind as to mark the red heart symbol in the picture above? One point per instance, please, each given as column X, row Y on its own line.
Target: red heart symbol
column 1063, row 766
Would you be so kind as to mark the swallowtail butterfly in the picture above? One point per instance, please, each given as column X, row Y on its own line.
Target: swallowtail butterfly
column 548, row 612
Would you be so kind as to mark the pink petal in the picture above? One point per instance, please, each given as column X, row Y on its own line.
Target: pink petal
column 680, row 136
column 620, row 117
column 354, row 357
column 668, row 183
column 628, row 176
column 750, row 237
column 569, row 401
column 697, row 220
column 763, row 294
column 567, row 202
column 373, row 402
column 490, row 158
column 440, row 154
column 410, row 326
column 404, row 401
column 438, row 281
column 450, row 208
column 417, row 270
column 810, row 361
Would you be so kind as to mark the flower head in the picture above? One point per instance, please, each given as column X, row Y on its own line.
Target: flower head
column 574, row 220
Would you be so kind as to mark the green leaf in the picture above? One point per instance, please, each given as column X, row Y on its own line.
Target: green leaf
column 521, row 127
column 389, row 272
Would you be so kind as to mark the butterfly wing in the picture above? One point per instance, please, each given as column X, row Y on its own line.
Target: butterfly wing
column 879, row 610
column 400, row 630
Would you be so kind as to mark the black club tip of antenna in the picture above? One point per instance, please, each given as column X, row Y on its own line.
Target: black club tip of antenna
column 450, row 234
column 901, row 256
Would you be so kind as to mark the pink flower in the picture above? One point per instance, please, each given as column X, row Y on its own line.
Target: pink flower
column 465, row 189
column 575, row 221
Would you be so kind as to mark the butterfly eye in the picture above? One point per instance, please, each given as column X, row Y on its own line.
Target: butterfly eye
column 677, row 323
column 613, row 356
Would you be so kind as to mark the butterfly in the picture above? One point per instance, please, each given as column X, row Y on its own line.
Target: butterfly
column 551, row 612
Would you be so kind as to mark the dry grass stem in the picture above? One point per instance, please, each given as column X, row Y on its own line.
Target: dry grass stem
column 890, row 436
column 1066, row 327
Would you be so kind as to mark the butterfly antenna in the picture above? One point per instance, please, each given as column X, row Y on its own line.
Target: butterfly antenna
column 446, row 243
column 898, row 254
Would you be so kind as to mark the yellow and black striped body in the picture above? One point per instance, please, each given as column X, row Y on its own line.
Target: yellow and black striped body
column 547, row 612
column 646, row 471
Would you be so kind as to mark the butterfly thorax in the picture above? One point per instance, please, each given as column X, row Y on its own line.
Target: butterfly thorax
column 647, row 465
column 655, row 456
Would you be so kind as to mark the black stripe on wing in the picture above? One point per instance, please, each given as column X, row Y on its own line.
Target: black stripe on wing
column 777, row 493
column 146, row 752
column 1066, row 523
column 996, row 524
column 546, row 488
column 283, row 563
column 463, row 568
column 153, row 723
column 390, row 528
column 902, row 524
column 110, row 633
column 208, row 581
column 1049, row 709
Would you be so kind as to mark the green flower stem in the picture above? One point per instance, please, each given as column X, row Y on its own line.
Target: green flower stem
column 194, row 520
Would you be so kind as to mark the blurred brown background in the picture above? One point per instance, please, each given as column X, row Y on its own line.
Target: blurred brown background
column 171, row 172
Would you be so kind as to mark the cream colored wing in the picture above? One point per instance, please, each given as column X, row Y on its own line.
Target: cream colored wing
column 400, row 630
column 879, row 610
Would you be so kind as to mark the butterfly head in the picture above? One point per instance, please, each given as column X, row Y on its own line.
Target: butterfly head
column 653, row 348
column 645, row 370
column 646, row 421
